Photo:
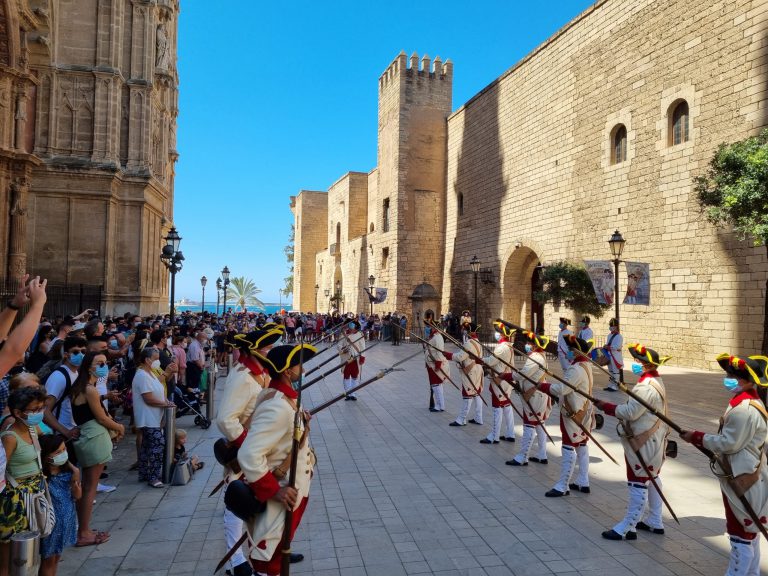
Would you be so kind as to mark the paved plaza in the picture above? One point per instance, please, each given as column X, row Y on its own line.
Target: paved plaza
column 397, row 491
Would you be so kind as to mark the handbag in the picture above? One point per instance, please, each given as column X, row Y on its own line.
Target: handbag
column 38, row 506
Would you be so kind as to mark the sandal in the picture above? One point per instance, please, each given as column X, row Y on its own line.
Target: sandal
column 98, row 538
column 157, row 484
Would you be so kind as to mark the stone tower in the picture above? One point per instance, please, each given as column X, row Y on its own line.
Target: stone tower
column 407, row 248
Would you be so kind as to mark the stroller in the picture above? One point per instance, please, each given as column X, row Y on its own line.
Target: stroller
column 191, row 403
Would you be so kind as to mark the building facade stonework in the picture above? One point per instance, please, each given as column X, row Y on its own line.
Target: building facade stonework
column 603, row 127
column 88, row 106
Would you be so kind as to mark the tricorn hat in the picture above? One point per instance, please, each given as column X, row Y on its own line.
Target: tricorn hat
column 538, row 340
column 640, row 352
column 586, row 320
column 507, row 331
column 280, row 358
column 255, row 340
column 613, row 322
column 583, row 346
column 753, row 369
column 429, row 317
column 273, row 326
column 566, row 321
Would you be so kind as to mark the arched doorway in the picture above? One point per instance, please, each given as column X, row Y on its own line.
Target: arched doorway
column 521, row 278
column 337, row 297
column 424, row 297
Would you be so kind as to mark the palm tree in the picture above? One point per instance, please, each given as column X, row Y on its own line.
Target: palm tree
column 244, row 293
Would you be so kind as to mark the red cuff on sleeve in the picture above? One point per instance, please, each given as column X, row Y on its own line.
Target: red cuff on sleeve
column 438, row 366
column 448, row 355
column 544, row 387
column 240, row 439
column 265, row 487
column 698, row 439
column 479, row 361
column 609, row 408
column 506, row 376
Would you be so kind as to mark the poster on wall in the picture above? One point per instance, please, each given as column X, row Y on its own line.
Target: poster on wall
column 601, row 274
column 638, row 283
column 378, row 295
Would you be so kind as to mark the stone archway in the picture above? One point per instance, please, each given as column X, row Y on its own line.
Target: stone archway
column 519, row 280
column 424, row 297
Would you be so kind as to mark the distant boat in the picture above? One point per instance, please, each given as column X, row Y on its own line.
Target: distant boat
column 187, row 302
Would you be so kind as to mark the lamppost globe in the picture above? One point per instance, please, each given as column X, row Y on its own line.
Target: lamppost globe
column 371, row 282
column 616, row 243
column 173, row 239
column 474, row 264
column 172, row 259
column 203, row 281
column 225, row 276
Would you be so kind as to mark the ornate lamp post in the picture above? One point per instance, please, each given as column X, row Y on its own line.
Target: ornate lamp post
column 616, row 243
column 475, row 265
column 327, row 293
column 218, row 294
column 371, row 282
column 172, row 258
column 225, row 277
column 203, row 282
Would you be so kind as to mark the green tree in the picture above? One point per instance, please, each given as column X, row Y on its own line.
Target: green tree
column 563, row 283
column 734, row 193
column 288, row 250
column 244, row 292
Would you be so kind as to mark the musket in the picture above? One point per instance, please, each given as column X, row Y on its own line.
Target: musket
column 431, row 392
column 329, row 347
column 332, row 370
column 328, row 335
column 572, row 387
column 231, row 552
column 372, row 379
column 520, row 391
column 297, row 433
column 462, row 348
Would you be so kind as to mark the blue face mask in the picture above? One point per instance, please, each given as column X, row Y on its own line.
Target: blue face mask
column 562, row 326
column 570, row 355
column 497, row 336
column 76, row 359
column 101, row 371
column 35, row 418
column 528, row 348
column 114, row 345
column 731, row 384
column 427, row 331
column 637, row 369
column 351, row 325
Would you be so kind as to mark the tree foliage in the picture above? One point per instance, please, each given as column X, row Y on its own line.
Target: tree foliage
column 288, row 251
column 569, row 285
column 244, row 292
column 734, row 191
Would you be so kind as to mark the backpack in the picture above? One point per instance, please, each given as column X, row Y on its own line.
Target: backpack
column 65, row 393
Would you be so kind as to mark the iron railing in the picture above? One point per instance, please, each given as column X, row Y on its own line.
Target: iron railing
column 63, row 299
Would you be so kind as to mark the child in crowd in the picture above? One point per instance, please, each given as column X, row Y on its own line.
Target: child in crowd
column 180, row 452
column 64, row 485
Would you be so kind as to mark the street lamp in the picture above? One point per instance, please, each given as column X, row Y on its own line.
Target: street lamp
column 475, row 265
column 616, row 243
column 225, row 276
column 371, row 282
column 327, row 293
column 337, row 294
column 317, row 289
column 203, row 282
column 172, row 258
column 218, row 294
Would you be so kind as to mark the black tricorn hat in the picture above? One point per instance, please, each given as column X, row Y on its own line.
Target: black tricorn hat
column 583, row 346
column 753, row 369
column 564, row 320
column 640, row 352
column 280, row 358
column 538, row 340
column 255, row 340
column 503, row 329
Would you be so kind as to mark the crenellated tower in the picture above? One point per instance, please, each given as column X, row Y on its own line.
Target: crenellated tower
column 414, row 105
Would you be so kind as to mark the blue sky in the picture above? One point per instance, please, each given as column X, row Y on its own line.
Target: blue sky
column 279, row 97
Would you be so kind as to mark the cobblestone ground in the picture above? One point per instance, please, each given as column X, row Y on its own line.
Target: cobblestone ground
column 397, row 491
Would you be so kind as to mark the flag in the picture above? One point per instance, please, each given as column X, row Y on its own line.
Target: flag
column 638, row 283
column 378, row 295
column 601, row 274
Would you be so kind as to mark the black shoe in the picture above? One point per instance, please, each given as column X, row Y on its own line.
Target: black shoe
column 508, row 438
column 456, row 424
column 473, row 421
column 296, row 558
column 103, row 476
column 434, row 410
column 577, row 488
column 643, row 526
column 613, row 535
column 347, row 398
column 515, row 463
column 486, row 441
column 243, row 569
column 610, row 389
column 539, row 460
column 353, row 398
column 556, row 493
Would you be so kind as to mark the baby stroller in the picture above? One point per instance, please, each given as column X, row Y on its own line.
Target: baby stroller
column 190, row 402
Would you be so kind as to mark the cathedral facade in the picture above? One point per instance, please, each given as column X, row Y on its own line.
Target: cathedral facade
column 602, row 127
column 88, row 106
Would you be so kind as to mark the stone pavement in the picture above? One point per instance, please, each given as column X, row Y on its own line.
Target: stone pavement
column 397, row 491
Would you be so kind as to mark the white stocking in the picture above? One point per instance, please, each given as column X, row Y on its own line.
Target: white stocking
column 742, row 556
column 496, row 429
column 525, row 445
column 566, row 468
column 438, row 396
column 638, row 497
column 583, row 454
column 541, row 440
column 233, row 530
column 653, row 512
column 509, row 417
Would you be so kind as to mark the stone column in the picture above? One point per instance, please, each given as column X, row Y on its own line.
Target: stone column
column 17, row 258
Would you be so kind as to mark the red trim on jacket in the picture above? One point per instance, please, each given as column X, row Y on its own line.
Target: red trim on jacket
column 281, row 385
column 698, row 438
column 544, row 387
column 608, row 408
column 240, row 439
column 750, row 394
column 649, row 374
column 252, row 364
column 265, row 487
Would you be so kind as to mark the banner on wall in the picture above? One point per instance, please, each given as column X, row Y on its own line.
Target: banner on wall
column 378, row 295
column 638, row 283
column 601, row 274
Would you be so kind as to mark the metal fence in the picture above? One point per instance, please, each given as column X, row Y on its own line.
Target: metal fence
column 62, row 299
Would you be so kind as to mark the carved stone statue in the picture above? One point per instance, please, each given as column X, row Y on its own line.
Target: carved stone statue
column 162, row 57
column 17, row 199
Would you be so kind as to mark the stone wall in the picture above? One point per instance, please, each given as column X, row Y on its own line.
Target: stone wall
column 310, row 215
column 531, row 156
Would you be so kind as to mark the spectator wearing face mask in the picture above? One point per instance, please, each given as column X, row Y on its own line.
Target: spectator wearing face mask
column 612, row 349
column 59, row 384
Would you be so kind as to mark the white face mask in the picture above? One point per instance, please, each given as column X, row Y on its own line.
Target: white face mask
column 155, row 365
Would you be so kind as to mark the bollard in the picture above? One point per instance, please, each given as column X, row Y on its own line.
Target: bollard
column 213, row 369
column 25, row 554
column 170, row 442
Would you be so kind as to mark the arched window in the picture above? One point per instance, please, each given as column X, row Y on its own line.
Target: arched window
column 678, row 123
column 619, row 144
column 371, row 230
column 385, row 215
column 460, row 204
column 338, row 236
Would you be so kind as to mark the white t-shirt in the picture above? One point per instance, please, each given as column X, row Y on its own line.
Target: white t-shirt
column 101, row 386
column 143, row 414
column 55, row 386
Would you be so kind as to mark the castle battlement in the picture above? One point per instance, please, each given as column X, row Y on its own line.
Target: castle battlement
column 403, row 66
